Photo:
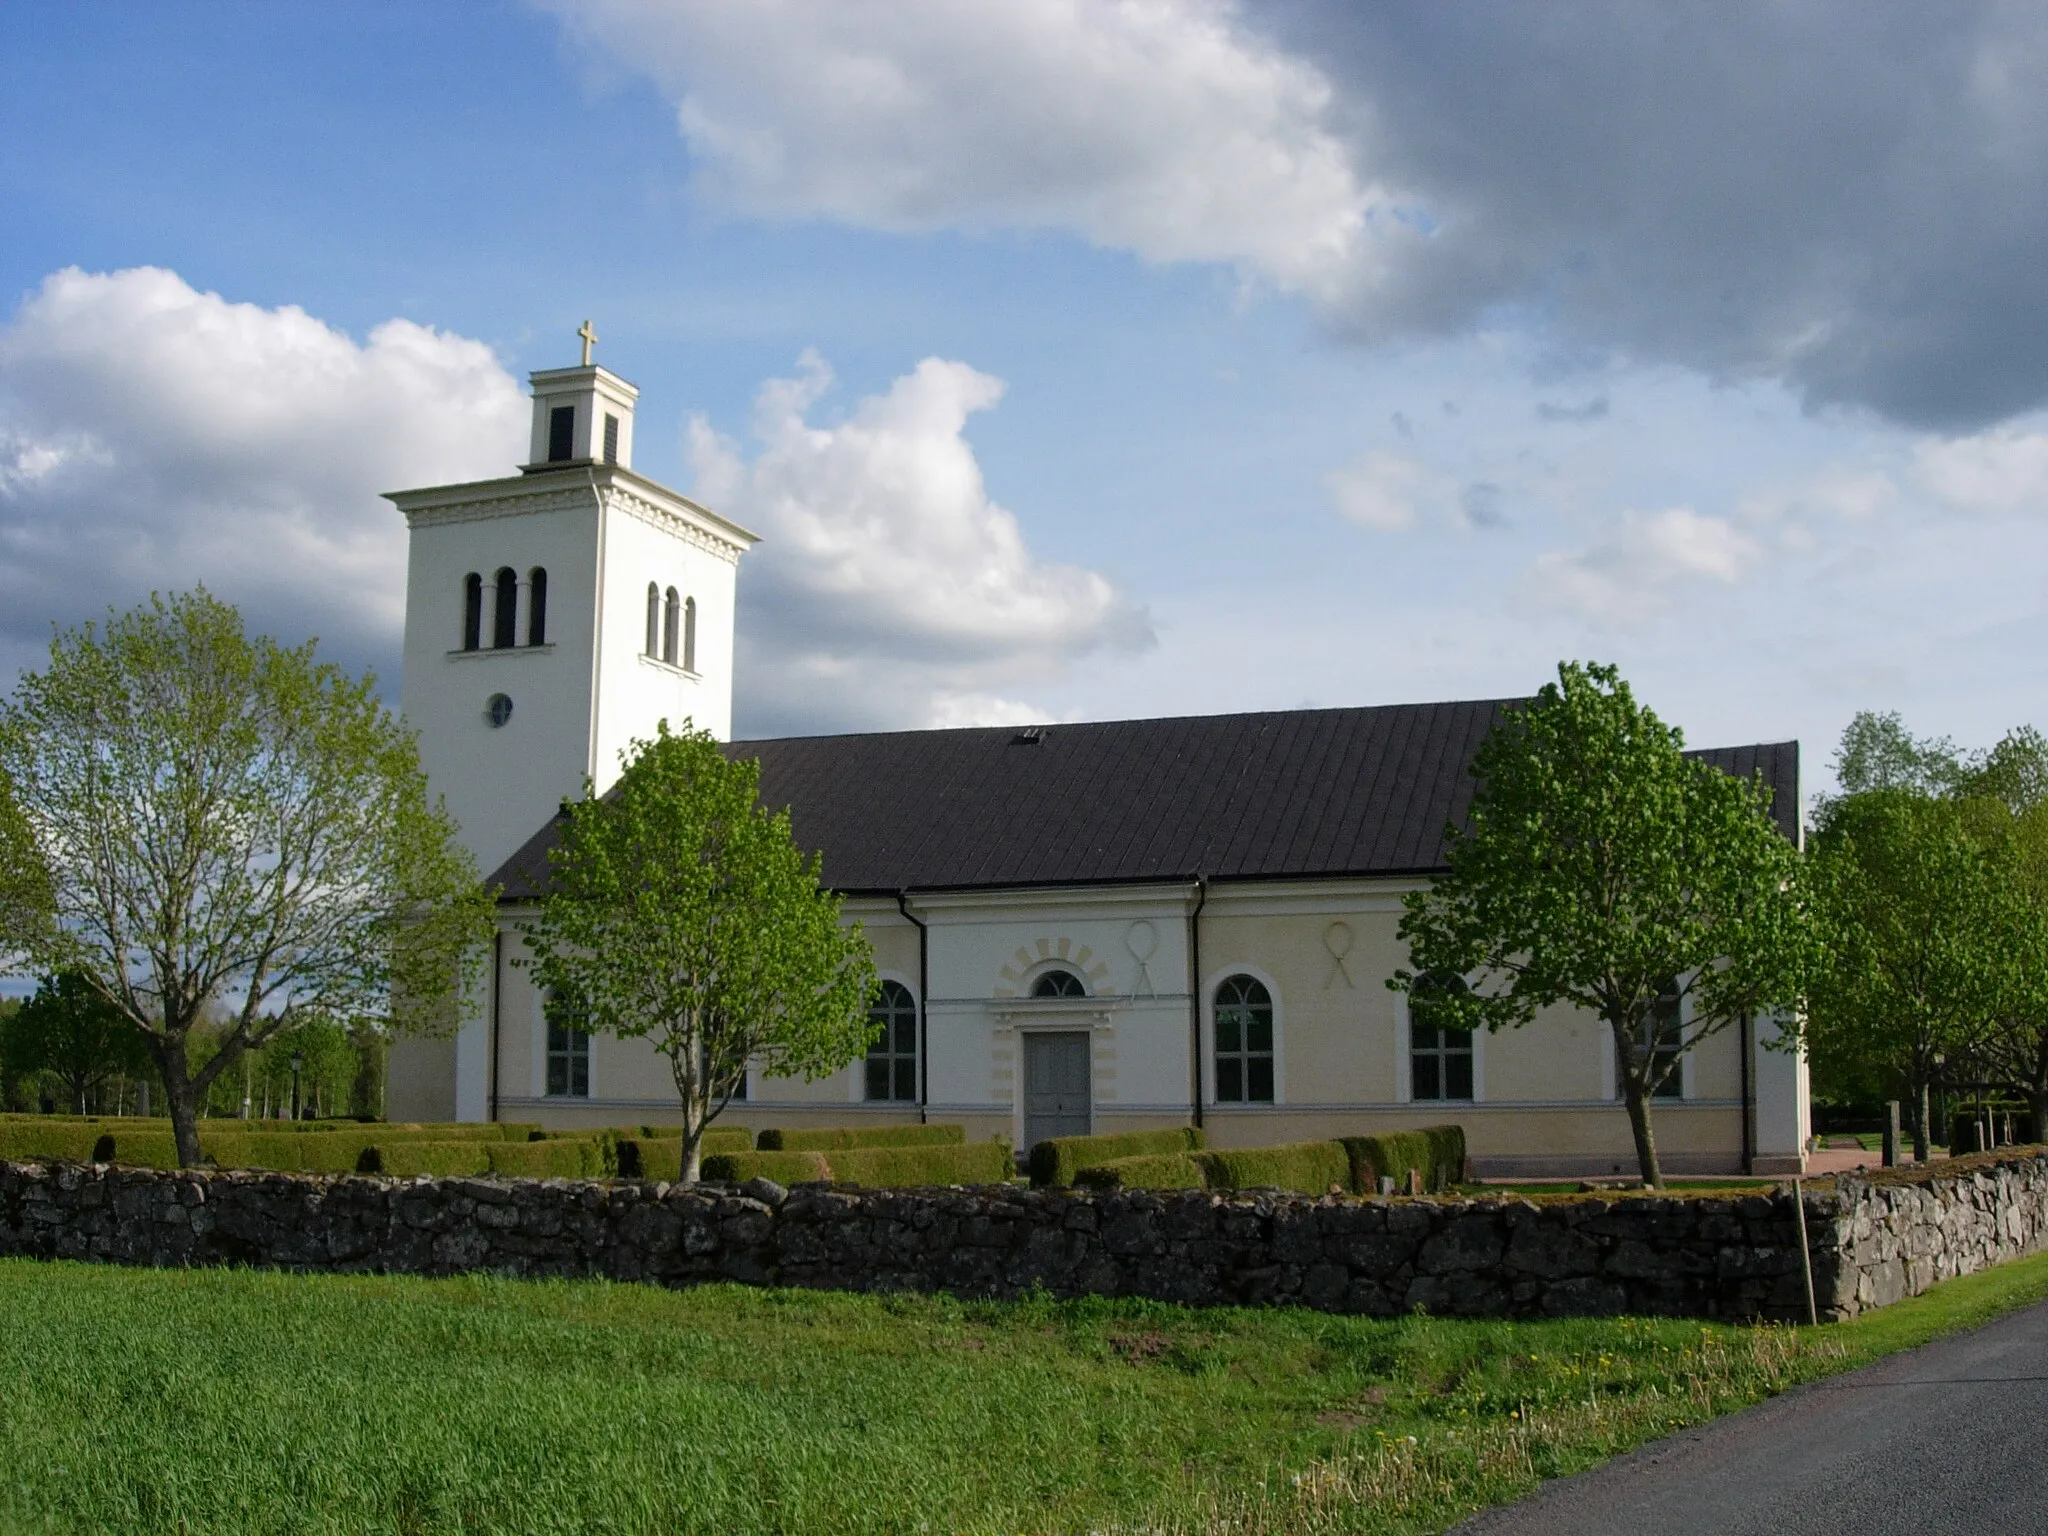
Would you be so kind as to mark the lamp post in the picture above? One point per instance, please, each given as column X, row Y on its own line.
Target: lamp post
column 298, row 1061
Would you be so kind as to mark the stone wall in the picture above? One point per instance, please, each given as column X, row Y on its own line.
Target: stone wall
column 1872, row 1240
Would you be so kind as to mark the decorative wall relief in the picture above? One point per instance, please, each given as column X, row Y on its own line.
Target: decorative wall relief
column 1142, row 940
column 1337, row 939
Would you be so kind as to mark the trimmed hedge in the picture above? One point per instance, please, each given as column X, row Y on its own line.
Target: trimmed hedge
column 848, row 1138
column 975, row 1162
column 1152, row 1170
column 1058, row 1160
column 561, row 1157
column 1438, row 1151
column 1310, row 1167
column 444, row 1159
column 782, row 1167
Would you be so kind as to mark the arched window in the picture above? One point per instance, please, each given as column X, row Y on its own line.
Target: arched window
column 671, row 620
column 689, row 634
column 1439, row 1051
column 1057, row 983
column 653, row 619
column 568, row 1049
column 1663, row 1037
column 472, row 611
column 892, row 1059
column 505, row 612
column 1244, row 1041
column 537, row 606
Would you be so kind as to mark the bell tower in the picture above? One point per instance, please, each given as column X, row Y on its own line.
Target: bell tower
column 554, row 615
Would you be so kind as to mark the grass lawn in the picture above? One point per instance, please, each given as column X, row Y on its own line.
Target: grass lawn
column 237, row 1401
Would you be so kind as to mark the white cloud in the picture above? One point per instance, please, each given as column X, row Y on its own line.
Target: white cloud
column 2005, row 470
column 1641, row 567
column 152, row 437
column 889, row 589
column 1386, row 492
column 1167, row 129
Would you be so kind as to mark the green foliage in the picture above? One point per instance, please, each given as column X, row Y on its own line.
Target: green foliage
column 1057, row 1160
column 681, row 910
column 782, row 1167
column 221, row 822
column 567, row 1157
column 828, row 1139
column 70, row 1030
column 443, row 1159
column 1437, row 1152
column 1311, row 1167
column 657, row 1154
column 1150, row 1170
column 1602, row 868
column 583, row 1406
column 974, row 1162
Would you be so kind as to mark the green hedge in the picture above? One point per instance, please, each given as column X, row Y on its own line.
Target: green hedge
column 561, row 1157
column 848, row 1138
column 71, row 1141
column 1438, row 1151
column 782, row 1167
column 1309, row 1167
column 1152, row 1170
column 445, row 1159
column 1058, row 1160
column 975, row 1162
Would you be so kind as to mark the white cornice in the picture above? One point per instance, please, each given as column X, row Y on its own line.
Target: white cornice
column 569, row 489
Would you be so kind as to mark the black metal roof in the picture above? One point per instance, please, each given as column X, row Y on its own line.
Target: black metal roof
column 1278, row 795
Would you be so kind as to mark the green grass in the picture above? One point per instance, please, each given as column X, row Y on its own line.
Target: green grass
column 238, row 1401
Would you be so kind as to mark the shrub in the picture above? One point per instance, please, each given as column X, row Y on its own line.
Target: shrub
column 782, row 1167
column 446, row 1159
column 71, row 1140
column 1438, row 1151
column 847, row 1138
column 976, row 1162
column 561, row 1157
column 1058, row 1160
column 1151, row 1170
column 1309, row 1167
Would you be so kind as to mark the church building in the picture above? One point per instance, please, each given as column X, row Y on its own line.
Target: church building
column 1097, row 927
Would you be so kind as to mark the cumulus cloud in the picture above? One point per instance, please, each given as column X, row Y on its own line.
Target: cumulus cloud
column 153, row 437
column 1163, row 127
column 1643, row 566
column 1998, row 471
column 890, row 590
column 1842, row 199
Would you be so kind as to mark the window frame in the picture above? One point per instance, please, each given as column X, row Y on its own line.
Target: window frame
column 537, row 606
column 888, row 1052
column 574, row 1049
column 1244, row 1056
column 473, row 611
column 1405, row 1087
column 1058, row 983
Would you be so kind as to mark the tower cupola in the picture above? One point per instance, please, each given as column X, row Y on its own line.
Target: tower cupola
column 581, row 415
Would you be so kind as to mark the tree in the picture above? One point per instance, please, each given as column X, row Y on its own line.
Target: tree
column 220, row 821
column 69, row 1030
column 1603, row 868
column 1911, row 911
column 681, row 910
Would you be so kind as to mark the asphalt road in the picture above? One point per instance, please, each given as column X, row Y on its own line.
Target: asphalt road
column 1951, row 1437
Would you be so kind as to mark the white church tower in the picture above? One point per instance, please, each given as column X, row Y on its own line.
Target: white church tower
column 551, row 617
column 554, row 616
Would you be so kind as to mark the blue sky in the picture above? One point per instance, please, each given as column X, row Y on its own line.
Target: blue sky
column 1138, row 358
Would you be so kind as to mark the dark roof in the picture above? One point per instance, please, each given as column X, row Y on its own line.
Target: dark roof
column 1285, row 794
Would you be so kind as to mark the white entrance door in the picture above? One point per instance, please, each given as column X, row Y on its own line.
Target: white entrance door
column 1056, row 1087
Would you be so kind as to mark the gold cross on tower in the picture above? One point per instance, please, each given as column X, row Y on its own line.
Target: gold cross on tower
column 589, row 340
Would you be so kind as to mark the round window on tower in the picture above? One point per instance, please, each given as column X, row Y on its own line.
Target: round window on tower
column 498, row 710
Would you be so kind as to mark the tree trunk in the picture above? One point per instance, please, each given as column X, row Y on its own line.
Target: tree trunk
column 1920, row 1106
column 181, row 1097
column 1646, row 1140
column 693, row 1144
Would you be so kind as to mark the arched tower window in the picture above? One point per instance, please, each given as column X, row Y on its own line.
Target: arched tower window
column 1244, row 1041
column 653, row 619
column 472, row 611
column 1058, row 983
column 537, row 606
column 505, row 612
column 689, row 634
column 671, row 620
column 892, row 1059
